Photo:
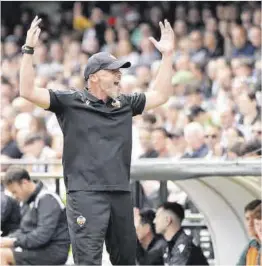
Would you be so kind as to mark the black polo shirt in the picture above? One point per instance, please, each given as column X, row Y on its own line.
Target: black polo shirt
column 97, row 138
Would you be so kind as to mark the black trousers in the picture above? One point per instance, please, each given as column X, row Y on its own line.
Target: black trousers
column 95, row 216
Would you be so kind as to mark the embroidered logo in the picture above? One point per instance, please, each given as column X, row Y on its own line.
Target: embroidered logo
column 81, row 220
column 116, row 103
column 87, row 102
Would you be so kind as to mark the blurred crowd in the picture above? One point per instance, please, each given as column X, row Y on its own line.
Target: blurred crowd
column 214, row 111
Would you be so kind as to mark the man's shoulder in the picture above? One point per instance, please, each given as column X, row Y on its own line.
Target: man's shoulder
column 184, row 238
column 45, row 196
column 253, row 243
column 68, row 91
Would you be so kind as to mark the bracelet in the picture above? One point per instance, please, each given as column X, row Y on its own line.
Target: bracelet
column 27, row 49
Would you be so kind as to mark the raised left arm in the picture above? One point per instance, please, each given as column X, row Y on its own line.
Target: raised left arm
column 162, row 87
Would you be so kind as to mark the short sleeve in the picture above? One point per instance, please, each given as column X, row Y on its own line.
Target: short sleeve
column 59, row 100
column 137, row 102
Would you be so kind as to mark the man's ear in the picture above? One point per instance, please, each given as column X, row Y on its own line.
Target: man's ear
column 93, row 77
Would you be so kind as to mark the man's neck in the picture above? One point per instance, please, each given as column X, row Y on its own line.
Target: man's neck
column 98, row 93
column 145, row 242
column 170, row 233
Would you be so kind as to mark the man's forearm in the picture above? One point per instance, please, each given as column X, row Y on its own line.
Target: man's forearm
column 27, row 76
column 162, row 83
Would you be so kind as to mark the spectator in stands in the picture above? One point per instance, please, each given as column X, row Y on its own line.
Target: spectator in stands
column 35, row 148
column 212, row 45
column 212, row 140
column 8, row 145
column 195, row 138
column 257, row 131
column 180, row 249
column 251, row 149
column 146, row 144
column 241, row 45
column 198, row 114
column 250, row 254
column 38, row 126
column 43, row 237
column 255, row 39
column 198, row 52
column 10, row 213
column 249, row 110
column 150, row 246
column 180, row 29
column 234, row 150
column 159, row 141
column 193, row 95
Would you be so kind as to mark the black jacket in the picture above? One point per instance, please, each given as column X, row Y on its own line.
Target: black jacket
column 182, row 251
column 153, row 255
column 43, row 221
column 10, row 214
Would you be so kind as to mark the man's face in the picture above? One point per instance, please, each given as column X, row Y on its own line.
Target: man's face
column 158, row 140
column 194, row 140
column 258, row 228
column 142, row 230
column 34, row 149
column 257, row 130
column 250, row 223
column 108, row 81
column 161, row 221
column 226, row 119
column 196, row 40
column 255, row 37
column 245, row 105
column 211, row 136
column 19, row 190
column 238, row 38
column 145, row 138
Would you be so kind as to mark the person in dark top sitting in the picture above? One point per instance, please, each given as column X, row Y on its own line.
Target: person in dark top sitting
column 10, row 213
column 180, row 248
column 150, row 246
column 43, row 237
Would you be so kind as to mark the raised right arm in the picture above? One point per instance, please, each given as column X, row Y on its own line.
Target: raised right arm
column 38, row 96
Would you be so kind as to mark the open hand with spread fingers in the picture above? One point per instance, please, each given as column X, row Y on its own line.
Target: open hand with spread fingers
column 167, row 40
column 33, row 33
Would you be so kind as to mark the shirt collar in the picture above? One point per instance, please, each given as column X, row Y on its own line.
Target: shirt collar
column 39, row 186
column 172, row 242
column 89, row 96
column 92, row 98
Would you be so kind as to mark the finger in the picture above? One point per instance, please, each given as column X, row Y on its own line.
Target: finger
column 153, row 40
column 37, row 23
column 37, row 33
column 34, row 29
column 161, row 26
column 34, row 20
column 169, row 26
column 166, row 22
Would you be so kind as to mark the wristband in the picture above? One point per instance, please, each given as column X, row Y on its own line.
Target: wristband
column 27, row 49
